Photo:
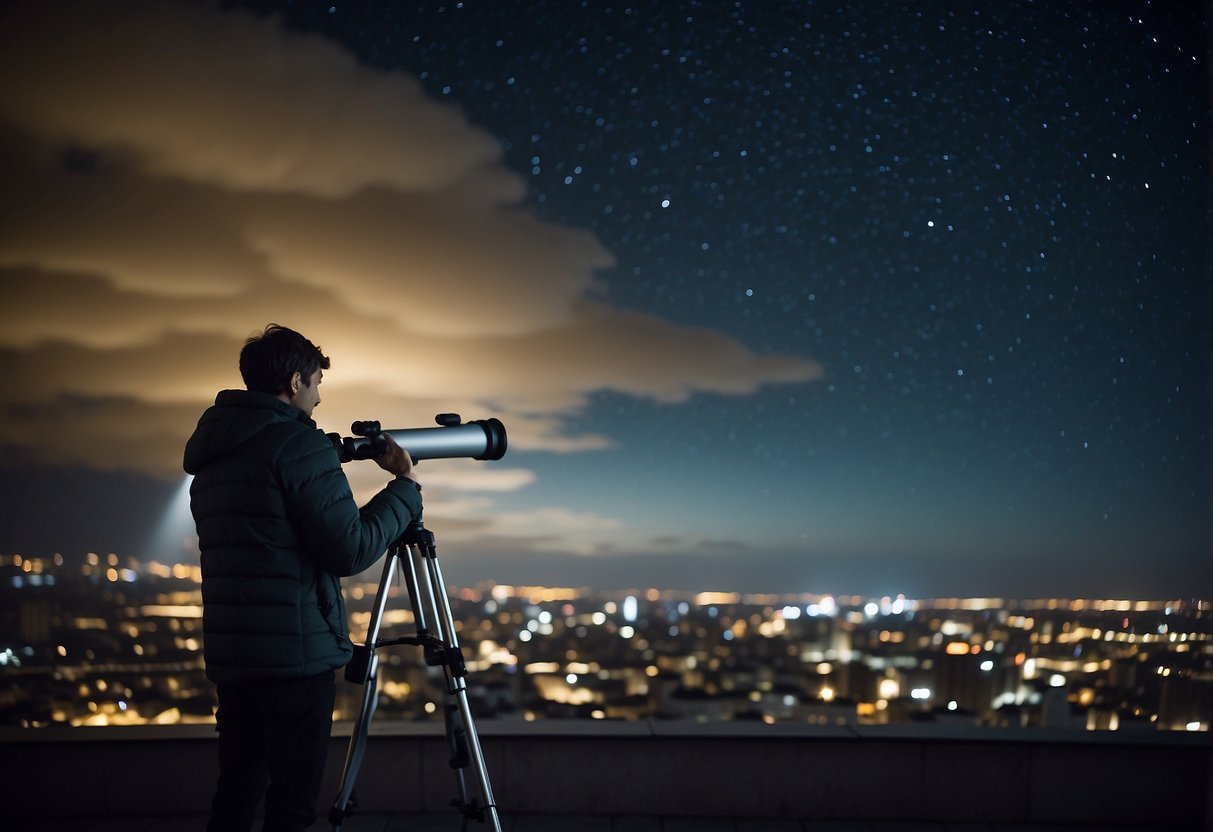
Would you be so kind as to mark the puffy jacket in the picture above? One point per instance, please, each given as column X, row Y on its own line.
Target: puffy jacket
column 277, row 527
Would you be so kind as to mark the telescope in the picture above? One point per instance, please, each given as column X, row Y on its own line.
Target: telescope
column 454, row 438
column 414, row 555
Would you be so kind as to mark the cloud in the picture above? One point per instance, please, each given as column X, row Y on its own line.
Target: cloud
column 177, row 176
column 228, row 99
column 466, row 475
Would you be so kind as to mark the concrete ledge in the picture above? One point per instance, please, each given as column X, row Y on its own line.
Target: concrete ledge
column 902, row 773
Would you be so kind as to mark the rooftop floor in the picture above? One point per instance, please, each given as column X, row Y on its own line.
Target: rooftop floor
column 649, row 777
column 450, row 822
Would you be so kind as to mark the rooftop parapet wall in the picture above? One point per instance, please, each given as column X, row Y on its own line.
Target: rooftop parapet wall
column 899, row 773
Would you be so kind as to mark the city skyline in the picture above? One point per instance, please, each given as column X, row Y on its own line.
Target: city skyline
column 852, row 301
column 105, row 641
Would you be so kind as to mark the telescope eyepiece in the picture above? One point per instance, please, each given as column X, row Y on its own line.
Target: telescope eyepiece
column 367, row 428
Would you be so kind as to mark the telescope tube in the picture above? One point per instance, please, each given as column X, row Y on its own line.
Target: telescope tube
column 478, row 439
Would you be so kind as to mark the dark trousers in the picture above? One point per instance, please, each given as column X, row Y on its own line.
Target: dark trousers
column 277, row 732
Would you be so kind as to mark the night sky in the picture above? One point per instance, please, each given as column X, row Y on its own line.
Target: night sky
column 856, row 298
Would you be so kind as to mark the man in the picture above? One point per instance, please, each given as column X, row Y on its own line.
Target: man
column 277, row 528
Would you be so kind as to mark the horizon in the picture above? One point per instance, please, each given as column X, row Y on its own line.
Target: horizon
column 488, row 587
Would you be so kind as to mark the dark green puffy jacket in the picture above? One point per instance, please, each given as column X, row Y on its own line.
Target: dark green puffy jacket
column 277, row 527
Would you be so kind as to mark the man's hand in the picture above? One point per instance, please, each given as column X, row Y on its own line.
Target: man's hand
column 394, row 459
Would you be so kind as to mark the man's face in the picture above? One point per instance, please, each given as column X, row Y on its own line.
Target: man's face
column 308, row 395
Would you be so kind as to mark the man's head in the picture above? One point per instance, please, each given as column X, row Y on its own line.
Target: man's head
column 283, row 363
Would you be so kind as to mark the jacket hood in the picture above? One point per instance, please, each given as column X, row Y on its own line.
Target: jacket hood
column 235, row 418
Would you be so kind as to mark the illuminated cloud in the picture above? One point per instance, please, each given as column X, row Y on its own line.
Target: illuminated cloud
column 228, row 99
column 177, row 176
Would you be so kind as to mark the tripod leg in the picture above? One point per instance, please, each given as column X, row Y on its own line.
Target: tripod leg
column 444, row 623
column 424, row 590
column 420, row 596
column 457, row 742
column 477, row 755
column 363, row 670
column 344, row 805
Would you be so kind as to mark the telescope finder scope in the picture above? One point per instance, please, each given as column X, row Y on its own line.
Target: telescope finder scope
column 479, row 439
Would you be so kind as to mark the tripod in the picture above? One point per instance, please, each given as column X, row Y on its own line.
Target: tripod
column 414, row 553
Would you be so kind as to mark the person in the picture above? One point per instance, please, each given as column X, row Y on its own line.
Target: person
column 277, row 528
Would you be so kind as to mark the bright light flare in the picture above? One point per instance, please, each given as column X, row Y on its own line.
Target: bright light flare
column 175, row 538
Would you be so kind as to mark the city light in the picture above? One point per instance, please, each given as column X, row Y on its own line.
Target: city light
column 536, row 653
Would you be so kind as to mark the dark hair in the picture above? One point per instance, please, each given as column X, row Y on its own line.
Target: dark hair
column 268, row 360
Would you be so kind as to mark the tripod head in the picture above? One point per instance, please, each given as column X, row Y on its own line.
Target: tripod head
column 479, row 439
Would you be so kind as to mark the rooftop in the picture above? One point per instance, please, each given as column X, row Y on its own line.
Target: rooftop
column 652, row 776
column 579, row 823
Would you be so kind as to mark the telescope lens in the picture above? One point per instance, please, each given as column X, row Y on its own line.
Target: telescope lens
column 495, row 444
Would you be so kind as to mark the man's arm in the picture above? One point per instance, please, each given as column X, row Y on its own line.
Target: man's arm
column 328, row 523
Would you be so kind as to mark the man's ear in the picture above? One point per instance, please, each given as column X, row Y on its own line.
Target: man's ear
column 296, row 380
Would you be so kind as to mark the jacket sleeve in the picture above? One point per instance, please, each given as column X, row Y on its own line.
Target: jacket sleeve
column 344, row 539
